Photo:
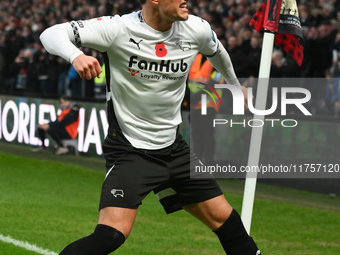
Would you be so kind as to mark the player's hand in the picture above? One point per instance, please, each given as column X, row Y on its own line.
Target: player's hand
column 87, row 67
column 245, row 94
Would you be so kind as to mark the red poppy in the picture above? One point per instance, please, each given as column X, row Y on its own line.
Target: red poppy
column 161, row 51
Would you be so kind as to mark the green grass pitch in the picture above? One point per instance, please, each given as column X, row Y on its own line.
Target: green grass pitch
column 50, row 203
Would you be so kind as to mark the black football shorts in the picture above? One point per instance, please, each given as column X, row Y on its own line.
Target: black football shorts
column 133, row 173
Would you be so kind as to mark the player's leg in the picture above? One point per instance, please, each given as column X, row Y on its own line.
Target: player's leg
column 114, row 226
column 117, row 208
column 121, row 219
column 213, row 212
column 226, row 223
column 200, row 195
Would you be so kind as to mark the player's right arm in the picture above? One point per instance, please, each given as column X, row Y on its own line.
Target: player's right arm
column 65, row 39
column 87, row 67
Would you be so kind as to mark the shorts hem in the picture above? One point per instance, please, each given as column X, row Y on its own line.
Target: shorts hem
column 102, row 206
column 199, row 200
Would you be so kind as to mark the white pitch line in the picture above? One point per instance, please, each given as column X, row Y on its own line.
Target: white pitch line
column 26, row 245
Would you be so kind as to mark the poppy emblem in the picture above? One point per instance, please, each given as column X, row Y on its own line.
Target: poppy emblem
column 161, row 51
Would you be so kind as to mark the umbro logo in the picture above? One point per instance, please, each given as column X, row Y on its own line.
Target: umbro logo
column 134, row 42
column 117, row 192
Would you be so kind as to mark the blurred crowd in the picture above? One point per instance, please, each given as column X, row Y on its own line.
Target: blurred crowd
column 26, row 68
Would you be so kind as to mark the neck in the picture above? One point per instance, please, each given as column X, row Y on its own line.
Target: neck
column 155, row 19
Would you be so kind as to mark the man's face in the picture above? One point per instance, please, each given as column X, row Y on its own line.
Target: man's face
column 64, row 103
column 174, row 10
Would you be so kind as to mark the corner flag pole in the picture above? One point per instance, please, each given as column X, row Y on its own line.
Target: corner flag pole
column 256, row 134
column 281, row 17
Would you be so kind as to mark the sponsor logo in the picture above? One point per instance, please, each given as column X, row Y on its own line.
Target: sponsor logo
column 134, row 42
column 133, row 72
column 163, row 66
column 117, row 192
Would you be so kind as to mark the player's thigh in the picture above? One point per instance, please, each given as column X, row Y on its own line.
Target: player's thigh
column 119, row 218
column 212, row 212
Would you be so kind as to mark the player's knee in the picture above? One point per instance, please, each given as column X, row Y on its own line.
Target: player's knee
column 109, row 237
column 220, row 212
column 103, row 240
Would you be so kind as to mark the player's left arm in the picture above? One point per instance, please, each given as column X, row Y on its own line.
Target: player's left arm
column 217, row 55
column 222, row 62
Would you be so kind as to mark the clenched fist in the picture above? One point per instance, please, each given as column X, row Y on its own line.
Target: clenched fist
column 87, row 67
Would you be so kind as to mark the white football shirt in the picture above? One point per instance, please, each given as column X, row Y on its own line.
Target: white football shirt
column 148, row 70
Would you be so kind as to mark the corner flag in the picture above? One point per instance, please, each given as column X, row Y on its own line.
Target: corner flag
column 282, row 18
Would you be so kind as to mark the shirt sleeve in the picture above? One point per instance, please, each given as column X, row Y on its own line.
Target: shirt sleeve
column 213, row 49
column 57, row 40
column 65, row 39
column 222, row 62
column 207, row 39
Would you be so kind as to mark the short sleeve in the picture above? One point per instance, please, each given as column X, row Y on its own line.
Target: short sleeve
column 207, row 39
